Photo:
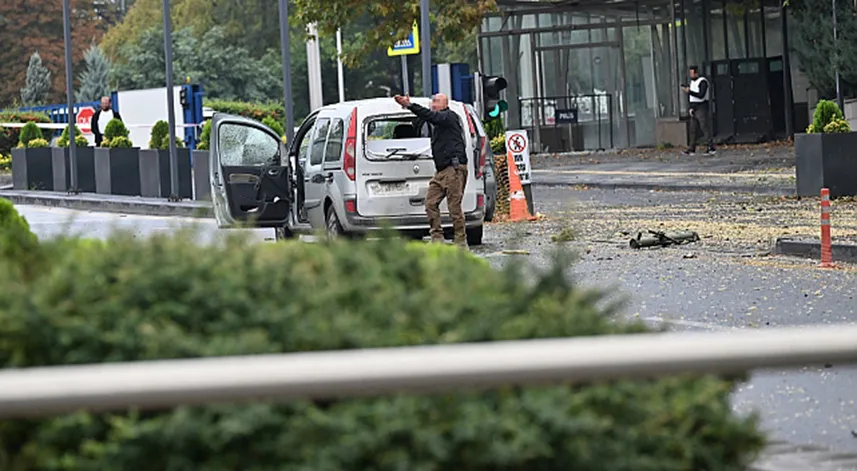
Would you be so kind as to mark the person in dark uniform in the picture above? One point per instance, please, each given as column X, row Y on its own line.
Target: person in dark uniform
column 450, row 161
column 700, row 111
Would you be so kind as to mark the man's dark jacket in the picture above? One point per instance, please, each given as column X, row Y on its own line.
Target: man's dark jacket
column 99, row 133
column 447, row 139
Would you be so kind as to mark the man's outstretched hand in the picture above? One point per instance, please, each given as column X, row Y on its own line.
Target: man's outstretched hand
column 403, row 101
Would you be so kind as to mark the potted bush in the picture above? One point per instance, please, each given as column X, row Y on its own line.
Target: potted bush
column 824, row 155
column 32, row 166
column 85, row 163
column 201, row 162
column 117, row 162
column 159, row 148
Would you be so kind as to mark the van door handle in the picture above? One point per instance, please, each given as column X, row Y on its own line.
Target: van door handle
column 318, row 178
column 392, row 180
column 329, row 177
column 417, row 201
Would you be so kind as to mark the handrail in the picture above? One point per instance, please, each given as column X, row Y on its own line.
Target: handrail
column 425, row 369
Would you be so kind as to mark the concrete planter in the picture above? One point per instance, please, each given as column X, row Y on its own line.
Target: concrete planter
column 32, row 169
column 117, row 171
column 185, row 181
column 85, row 169
column 201, row 168
column 826, row 161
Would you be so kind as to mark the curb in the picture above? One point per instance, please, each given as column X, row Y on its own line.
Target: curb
column 812, row 249
column 773, row 191
column 111, row 203
column 782, row 456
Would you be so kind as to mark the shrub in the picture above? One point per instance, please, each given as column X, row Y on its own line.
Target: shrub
column 10, row 137
column 29, row 133
column 257, row 111
column 826, row 112
column 495, row 127
column 79, row 140
column 274, row 125
column 19, row 247
column 128, row 299
column 205, row 136
column 119, row 142
column 115, row 128
column 37, row 143
column 837, row 126
column 498, row 145
column 160, row 130
column 5, row 162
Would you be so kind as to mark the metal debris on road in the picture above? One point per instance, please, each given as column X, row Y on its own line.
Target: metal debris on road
column 663, row 239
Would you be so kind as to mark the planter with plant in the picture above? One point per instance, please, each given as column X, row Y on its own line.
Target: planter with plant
column 159, row 143
column 85, row 156
column 117, row 162
column 32, row 165
column 824, row 155
column 201, row 164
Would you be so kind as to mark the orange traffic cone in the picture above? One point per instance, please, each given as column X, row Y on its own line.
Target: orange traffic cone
column 517, row 200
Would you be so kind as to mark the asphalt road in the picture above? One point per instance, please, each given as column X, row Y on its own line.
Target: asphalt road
column 688, row 288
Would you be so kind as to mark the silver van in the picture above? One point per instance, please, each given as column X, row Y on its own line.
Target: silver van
column 352, row 167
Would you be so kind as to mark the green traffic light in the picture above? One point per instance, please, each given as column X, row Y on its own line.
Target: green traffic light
column 495, row 111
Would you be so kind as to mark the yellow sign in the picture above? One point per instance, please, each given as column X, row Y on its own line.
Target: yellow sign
column 410, row 45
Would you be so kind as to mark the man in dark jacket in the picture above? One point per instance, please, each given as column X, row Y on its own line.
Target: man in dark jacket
column 450, row 161
column 101, row 117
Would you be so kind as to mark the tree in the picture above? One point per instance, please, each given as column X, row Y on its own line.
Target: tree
column 452, row 20
column 27, row 26
column 38, row 82
column 94, row 79
column 812, row 42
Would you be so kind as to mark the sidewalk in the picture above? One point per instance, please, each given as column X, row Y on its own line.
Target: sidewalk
column 751, row 169
column 110, row 203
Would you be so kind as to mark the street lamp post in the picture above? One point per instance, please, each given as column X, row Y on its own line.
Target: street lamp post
column 171, row 112
column 835, row 65
column 69, row 95
column 425, row 40
column 288, row 106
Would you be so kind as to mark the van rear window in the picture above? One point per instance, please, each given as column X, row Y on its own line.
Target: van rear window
column 397, row 138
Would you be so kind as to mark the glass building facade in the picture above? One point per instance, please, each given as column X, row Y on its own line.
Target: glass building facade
column 620, row 68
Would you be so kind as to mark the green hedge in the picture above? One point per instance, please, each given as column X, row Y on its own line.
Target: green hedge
column 128, row 299
column 9, row 136
column 257, row 111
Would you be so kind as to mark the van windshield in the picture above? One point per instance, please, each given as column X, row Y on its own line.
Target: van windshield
column 397, row 138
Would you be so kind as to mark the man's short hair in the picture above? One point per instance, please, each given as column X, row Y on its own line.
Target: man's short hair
column 694, row 68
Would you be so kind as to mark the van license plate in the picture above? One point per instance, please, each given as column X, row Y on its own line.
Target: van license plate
column 385, row 189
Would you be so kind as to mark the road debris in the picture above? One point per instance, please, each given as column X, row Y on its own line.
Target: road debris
column 663, row 239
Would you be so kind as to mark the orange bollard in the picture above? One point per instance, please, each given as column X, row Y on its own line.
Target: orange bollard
column 826, row 248
column 518, row 210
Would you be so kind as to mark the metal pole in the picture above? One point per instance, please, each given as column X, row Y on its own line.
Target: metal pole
column 835, row 65
column 69, row 95
column 171, row 111
column 340, row 73
column 425, row 44
column 32, row 392
column 405, row 88
column 316, row 98
column 787, row 75
column 288, row 105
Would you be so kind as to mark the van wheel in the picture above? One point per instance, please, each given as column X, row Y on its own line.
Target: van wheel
column 474, row 235
column 283, row 233
column 332, row 225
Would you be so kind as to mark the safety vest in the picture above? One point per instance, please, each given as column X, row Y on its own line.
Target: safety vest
column 694, row 87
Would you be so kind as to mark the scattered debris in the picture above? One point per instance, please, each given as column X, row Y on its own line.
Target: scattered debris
column 689, row 255
column 565, row 235
column 663, row 239
column 516, row 252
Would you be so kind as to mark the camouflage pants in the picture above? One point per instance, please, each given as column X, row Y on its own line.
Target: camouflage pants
column 449, row 183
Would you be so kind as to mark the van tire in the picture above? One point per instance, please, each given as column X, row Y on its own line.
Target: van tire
column 474, row 235
column 332, row 227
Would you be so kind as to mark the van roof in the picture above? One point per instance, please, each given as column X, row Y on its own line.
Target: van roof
column 380, row 105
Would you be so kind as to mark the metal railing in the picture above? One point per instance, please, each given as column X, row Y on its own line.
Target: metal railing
column 352, row 373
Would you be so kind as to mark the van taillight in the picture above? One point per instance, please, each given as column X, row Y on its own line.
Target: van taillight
column 351, row 206
column 483, row 150
column 349, row 162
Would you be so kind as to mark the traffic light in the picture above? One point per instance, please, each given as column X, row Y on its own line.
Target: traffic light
column 492, row 104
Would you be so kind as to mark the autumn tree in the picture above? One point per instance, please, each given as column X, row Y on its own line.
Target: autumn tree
column 38, row 85
column 27, row 26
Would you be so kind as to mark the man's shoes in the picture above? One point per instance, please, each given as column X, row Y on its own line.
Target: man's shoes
column 688, row 152
column 711, row 151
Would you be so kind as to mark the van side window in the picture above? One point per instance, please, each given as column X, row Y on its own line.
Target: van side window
column 316, row 151
column 333, row 152
column 303, row 147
